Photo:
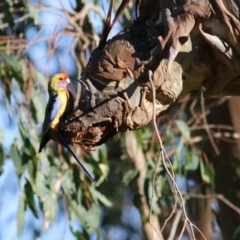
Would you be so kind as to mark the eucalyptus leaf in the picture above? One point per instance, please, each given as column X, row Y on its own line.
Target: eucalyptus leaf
column 40, row 185
column 192, row 159
column 184, row 129
column 207, row 172
column 97, row 195
column 15, row 155
column 49, row 206
column 11, row 61
column 21, row 213
column 77, row 234
column 33, row 11
column 1, row 135
column 30, row 198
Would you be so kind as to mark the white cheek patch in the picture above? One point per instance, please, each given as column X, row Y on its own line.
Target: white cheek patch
column 68, row 80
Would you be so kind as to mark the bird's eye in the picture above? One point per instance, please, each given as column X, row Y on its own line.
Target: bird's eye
column 60, row 78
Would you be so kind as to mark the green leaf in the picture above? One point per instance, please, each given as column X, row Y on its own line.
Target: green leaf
column 97, row 195
column 49, row 206
column 68, row 183
column 178, row 155
column 89, row 219
column 103, row 153
column 16, row 157
column 155, row 206
column 21, row 214
column 1, row 135
column 33, row 11
column 129, row 176
column 37, row 106
column 77, row 234
column 100, row 154
column 93, row 218
column 184, row 129
column 40, row 78
column 28, row 147
column 78, row 210
column 192, row 159
column 10, row 2
column 11, row 61
column 207, row 172
column 40, row 186
column 98, row 233
column 30, row 198
column 139, row 137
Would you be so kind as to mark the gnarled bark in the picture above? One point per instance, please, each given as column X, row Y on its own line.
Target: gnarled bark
column 181, row 45
column 187, row 45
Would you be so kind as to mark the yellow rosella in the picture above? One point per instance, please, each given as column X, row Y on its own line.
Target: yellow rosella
column 60, row 104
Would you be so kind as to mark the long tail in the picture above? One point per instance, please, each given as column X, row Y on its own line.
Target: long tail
column 73, row 154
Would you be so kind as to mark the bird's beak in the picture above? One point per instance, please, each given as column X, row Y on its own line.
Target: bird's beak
column 71, row 88
column 68, row 81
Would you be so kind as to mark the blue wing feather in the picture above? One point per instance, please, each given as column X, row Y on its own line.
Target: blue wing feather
column 52, row 109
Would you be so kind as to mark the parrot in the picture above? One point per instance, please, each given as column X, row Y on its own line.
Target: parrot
column 60, row 104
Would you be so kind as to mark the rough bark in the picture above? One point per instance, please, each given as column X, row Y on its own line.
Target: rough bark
column 187, row 45
column 182, row 46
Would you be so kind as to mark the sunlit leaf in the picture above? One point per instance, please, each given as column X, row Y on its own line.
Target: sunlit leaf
column 10, row 2
column 33, row 11
column 21, row 213
column 93, row 217
column 192, row 159
column 184, row 129
column 16, row 157
column 1, row 135
column 153, row 199
column 178, row 156
column 96, row 194
column 207, row 172
column 38, row 105
column 78, row 210
column 49, row 206
column 40, row 185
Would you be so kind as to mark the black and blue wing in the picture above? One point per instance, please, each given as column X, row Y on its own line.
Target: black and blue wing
column 52, row 109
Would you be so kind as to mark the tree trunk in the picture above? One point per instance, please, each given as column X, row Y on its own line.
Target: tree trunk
column 226, row 168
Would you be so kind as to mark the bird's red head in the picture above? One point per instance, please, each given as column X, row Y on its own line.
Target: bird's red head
column 60, row 81
column 62, row 77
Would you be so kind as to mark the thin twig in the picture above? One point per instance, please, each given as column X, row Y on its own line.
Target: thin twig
column 207, row 128
column 164, row 157
column 217, row 196
column 175, row 225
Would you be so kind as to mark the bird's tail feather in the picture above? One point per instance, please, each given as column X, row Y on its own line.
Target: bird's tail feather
column 76, row 158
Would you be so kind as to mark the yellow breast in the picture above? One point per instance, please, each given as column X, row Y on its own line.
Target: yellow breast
column 66, row 107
